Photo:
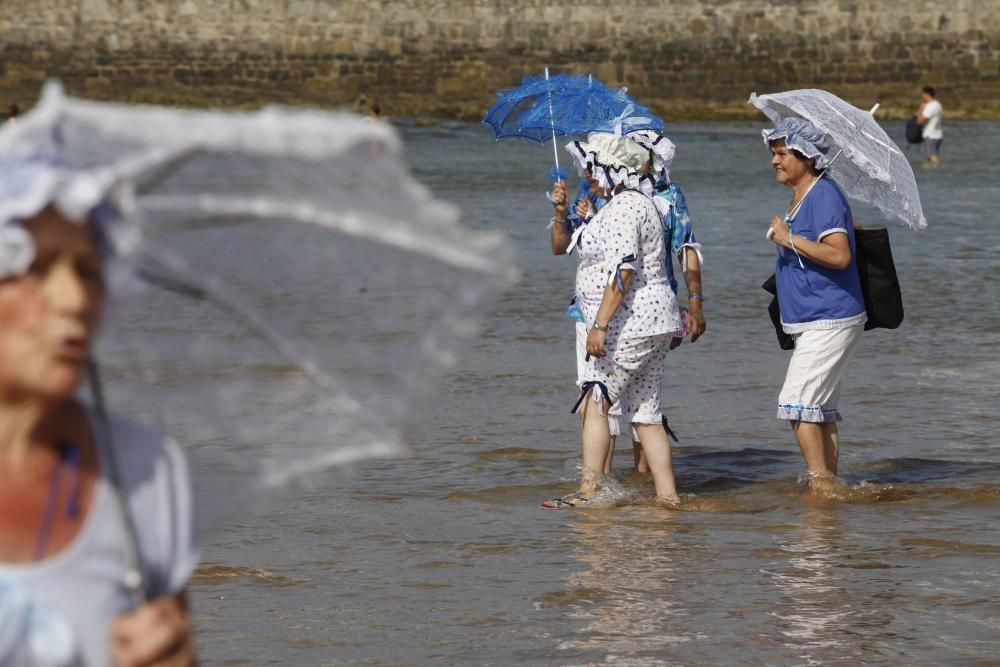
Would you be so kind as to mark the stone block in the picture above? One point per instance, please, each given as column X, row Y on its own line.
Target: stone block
column 696, row 51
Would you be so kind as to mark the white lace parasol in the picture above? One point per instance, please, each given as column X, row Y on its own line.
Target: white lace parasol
column 300, row 296
column 870, row 167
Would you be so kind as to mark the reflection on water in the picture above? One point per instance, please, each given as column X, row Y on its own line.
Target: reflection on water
column 816, row 613
column 443, row 558
column 634, row 612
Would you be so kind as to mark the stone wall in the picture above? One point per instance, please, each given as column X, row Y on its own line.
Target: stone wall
column 694, row 58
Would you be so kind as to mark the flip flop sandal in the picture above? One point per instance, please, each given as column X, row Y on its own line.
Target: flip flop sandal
column 567, row 502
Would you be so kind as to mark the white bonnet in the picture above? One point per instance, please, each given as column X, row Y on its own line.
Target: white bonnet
column 612, row 161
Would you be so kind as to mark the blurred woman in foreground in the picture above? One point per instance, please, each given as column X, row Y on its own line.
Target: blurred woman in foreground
column 96, row 538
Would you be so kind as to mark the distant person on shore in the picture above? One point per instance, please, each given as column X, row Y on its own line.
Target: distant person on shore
column 13, row 111
column 375, row 116
column 929, row 117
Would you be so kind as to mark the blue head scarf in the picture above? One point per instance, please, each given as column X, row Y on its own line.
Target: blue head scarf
column 802, row 136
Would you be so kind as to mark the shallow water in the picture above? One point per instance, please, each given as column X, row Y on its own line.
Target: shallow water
column 443, row 558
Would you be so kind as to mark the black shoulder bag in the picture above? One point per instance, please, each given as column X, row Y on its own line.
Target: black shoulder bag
column 879, row 285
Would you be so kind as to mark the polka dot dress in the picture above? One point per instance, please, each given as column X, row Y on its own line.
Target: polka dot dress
column 627, row 234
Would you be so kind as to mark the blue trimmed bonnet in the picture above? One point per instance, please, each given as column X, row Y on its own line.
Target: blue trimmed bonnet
column 38, row 177
column 801, row 135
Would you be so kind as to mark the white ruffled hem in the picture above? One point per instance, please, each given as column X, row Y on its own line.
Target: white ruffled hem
column 813, row 414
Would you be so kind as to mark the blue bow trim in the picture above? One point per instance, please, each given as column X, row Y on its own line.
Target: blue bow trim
column 670, row 432
column 585, row 390
column 618, row 271
column 557, row 174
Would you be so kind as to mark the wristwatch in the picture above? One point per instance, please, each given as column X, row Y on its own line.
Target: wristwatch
column 601, row 327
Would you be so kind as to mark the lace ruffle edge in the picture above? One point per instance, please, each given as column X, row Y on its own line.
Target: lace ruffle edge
column 608, row 177
column 815, row 414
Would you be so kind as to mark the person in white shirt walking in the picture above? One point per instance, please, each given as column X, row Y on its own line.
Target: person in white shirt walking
column 929, row 117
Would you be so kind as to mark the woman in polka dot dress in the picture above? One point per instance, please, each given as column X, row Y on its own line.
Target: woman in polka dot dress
column 630, row 310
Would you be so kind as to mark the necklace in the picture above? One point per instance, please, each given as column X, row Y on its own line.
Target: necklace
column 69, row 458
column 796, row 200
column 793, row 208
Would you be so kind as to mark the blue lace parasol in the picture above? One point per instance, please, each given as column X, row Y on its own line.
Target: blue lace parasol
column 546, row 107
column 566, row 104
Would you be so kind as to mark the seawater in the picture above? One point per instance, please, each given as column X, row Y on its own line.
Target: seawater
column 443, row 558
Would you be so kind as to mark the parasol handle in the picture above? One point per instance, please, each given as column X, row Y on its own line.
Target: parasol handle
column 133, row 578
column 552, row 123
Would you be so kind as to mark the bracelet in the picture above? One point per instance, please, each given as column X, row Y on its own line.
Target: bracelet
column 697, row 296
column 601, row 327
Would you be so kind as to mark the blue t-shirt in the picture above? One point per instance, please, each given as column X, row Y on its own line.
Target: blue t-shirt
column 817, row 297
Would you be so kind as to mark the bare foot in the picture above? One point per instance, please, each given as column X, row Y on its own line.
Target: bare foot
column 827, row 485
column 590, row 481
column 672, row 501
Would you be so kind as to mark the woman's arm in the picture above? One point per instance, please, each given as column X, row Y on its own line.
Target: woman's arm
column 832, row 251
column 692, row 278
column 611, row 301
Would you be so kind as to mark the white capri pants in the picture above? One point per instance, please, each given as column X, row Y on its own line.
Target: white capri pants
column 816, row 372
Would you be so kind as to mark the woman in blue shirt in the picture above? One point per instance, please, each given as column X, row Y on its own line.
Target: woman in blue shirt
column 819, row 291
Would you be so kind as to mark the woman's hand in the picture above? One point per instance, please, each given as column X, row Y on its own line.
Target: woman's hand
column 780, row 233
column 595, row 342
column 559, row 235
column 585, row 208
column 695, row 319
column 157, row 634
column 559, row 200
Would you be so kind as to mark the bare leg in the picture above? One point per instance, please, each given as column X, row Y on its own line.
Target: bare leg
column 639, row 457
column 611, row 457
column 596, row 445
column 820, row 445
column 657, row 449
column 831, row 446
column 810, row 437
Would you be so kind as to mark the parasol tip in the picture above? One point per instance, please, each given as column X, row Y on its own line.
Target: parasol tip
column 874, row 109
